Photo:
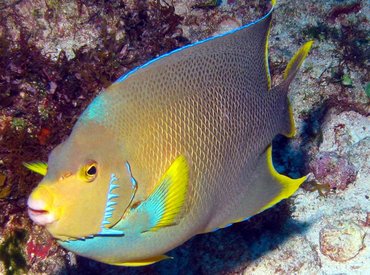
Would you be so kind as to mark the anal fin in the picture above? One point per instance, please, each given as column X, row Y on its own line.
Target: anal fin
column 282, row 186
column 143, row 262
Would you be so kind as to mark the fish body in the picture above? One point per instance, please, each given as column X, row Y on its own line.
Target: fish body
column 177, row 147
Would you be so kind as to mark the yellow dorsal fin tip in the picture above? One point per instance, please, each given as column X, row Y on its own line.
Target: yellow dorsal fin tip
column 299, row 57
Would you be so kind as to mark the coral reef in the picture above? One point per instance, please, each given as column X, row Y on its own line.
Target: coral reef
column 55, row 56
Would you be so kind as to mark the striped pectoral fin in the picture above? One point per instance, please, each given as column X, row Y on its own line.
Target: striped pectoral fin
column 278, row 186
column 163, row 207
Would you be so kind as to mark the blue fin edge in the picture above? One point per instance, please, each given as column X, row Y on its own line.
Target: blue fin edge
column 124, row 76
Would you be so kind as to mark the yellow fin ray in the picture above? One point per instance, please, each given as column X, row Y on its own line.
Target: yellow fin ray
column 37, row 167
column 166, row 202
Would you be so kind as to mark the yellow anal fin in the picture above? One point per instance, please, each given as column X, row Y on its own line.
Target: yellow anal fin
column 144, row 262
column 288, row 186
column 167, row 200
column 37, row 167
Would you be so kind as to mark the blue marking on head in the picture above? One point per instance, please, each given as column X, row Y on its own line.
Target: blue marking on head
column 108, row 231
column 128, row 167
column 111, row 203
column 96, row 110
column 132, row 179
column 124, row 76
column 112, row 196
column 109, row 208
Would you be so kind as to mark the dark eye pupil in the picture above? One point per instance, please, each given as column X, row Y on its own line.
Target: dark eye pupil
column 91, row 171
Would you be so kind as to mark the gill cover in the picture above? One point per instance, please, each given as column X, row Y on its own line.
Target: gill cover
column 164, row 205
column 162, row 208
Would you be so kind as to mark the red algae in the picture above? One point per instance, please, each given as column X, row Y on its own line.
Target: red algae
column 336, row 171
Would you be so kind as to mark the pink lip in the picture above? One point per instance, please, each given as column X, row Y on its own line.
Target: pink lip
column 36, row 212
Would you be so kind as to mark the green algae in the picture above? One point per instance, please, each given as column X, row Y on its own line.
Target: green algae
column 19, row 123
column 367, row 89
column 347, row 81
column 11, row 253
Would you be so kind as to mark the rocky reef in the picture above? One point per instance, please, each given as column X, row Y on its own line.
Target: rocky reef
column 56, row 56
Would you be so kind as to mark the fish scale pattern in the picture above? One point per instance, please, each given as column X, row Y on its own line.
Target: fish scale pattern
column 209, row 103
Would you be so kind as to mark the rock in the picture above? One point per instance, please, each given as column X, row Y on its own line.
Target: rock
column 342, row 131
column 284, row 260
column 342, row 242
column 331, row 169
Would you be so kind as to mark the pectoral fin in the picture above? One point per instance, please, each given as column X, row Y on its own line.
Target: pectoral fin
column 143, row 262
column 164, row 205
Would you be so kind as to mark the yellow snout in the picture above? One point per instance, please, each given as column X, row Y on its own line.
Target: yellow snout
column 40, row 206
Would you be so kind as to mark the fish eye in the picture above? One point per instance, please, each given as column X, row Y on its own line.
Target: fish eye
column 90, row 171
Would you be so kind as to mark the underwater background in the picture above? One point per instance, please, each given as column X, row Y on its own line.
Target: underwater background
column 56, row 56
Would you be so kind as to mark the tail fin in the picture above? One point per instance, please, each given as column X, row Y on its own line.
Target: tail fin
column 288, row 127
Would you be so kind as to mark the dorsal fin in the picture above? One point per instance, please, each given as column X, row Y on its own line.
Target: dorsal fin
column 249, row 40
column 296, row 62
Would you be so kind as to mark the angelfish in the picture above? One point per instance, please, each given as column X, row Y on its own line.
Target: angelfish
column 177, row 147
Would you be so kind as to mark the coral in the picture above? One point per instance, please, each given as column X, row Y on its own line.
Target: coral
column 342, row 242
column 333, row 170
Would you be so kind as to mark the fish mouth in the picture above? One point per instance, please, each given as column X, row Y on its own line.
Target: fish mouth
column 40, row 216
column 38, row 213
